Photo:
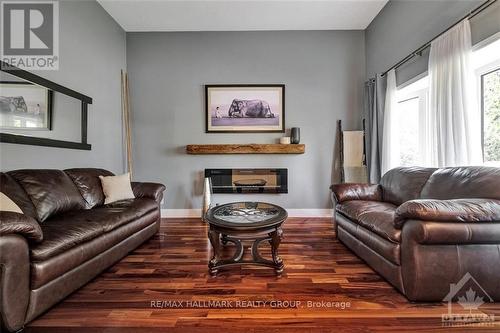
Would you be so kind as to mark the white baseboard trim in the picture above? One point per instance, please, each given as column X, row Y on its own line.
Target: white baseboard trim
column 310, row 212
column 193, row 213
column 179, row 213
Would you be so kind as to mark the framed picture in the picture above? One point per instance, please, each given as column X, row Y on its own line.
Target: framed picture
column 245, row 108
column 25, row 106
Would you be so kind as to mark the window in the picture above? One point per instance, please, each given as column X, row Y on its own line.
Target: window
column 409, row 138
column 486, row 62
column 412, row 110
column 490, row 104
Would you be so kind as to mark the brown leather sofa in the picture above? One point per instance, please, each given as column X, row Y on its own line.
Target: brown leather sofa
column 423, row 229
column 65, row 237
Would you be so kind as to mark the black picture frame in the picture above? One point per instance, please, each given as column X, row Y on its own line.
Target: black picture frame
column 54, row 87
column 280, row 87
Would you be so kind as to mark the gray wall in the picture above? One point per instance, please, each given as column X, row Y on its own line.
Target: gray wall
column 92, row 53
column 323, row 72
column 403, row 26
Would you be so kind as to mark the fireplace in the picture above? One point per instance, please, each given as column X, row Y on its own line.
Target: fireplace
column 248, row 180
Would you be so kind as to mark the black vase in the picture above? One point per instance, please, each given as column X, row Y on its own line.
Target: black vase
column 295, row 135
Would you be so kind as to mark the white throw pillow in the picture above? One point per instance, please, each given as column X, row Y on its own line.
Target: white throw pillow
column 116, row 188
column 7, row 205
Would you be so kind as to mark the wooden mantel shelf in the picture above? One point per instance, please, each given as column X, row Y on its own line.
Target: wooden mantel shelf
column 251, row 148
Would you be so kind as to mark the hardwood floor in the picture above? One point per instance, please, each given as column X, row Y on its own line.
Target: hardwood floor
column 164, row 286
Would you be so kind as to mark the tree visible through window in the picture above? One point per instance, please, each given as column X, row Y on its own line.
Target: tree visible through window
column 408, row 124
column 411, row 111
column 491, row 116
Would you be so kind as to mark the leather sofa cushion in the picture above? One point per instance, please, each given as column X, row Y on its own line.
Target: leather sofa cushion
column 88, row 183
column 51, row 191
column 45, row 271
column 463, row 182
column 383, row 247
column 61, row 234
column 10, row 187
column 377, row 217
column 65, row 231
column 405, row 183
column 121, row 212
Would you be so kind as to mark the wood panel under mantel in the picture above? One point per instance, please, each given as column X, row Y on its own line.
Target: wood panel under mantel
column 251, row 148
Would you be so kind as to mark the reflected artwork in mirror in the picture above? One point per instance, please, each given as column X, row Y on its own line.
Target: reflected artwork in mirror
column 24, row 105
column 36, row 111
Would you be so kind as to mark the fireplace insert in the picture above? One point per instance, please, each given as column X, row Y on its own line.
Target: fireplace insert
column 248, row 180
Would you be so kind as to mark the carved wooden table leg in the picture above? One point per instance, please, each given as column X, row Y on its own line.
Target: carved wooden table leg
column 276, row 237
column 215, row 241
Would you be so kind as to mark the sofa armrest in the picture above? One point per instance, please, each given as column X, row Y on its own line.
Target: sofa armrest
column 450, row 233
column 456, row 210
column 148, row 190
column 356, row 191
column 24, row 225
column 436, row 254
column 14, row 281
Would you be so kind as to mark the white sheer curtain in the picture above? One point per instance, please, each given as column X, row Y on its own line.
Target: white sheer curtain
column 390, row 139
column 454, row 120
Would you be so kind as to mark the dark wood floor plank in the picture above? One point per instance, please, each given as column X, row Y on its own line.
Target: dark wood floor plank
column 171, row 269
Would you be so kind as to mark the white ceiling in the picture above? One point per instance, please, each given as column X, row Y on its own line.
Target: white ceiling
column 242, row 15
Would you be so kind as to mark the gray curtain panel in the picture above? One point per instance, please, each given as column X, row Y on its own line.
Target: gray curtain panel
column 374, row 100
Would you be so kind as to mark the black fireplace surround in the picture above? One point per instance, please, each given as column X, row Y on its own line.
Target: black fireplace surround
column 248, row 180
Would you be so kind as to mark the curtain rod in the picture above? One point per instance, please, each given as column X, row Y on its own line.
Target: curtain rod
column 418, row 51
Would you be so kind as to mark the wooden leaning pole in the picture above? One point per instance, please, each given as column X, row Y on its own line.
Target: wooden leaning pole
column 126, row 119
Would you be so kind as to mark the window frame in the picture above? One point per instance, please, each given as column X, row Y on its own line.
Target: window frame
column 480, row 73
column 423, row 97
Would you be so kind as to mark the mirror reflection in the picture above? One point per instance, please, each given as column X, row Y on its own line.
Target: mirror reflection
column 32, row 110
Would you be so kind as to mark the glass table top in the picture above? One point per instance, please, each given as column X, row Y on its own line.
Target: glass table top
column 246, row 213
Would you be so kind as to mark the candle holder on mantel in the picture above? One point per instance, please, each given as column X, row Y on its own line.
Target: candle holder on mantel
column 295, row 135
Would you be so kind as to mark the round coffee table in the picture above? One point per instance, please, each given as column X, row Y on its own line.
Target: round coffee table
column 245, row 221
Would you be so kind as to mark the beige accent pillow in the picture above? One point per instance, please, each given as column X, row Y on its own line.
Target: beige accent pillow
column 116, row 188
column 7, row 205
